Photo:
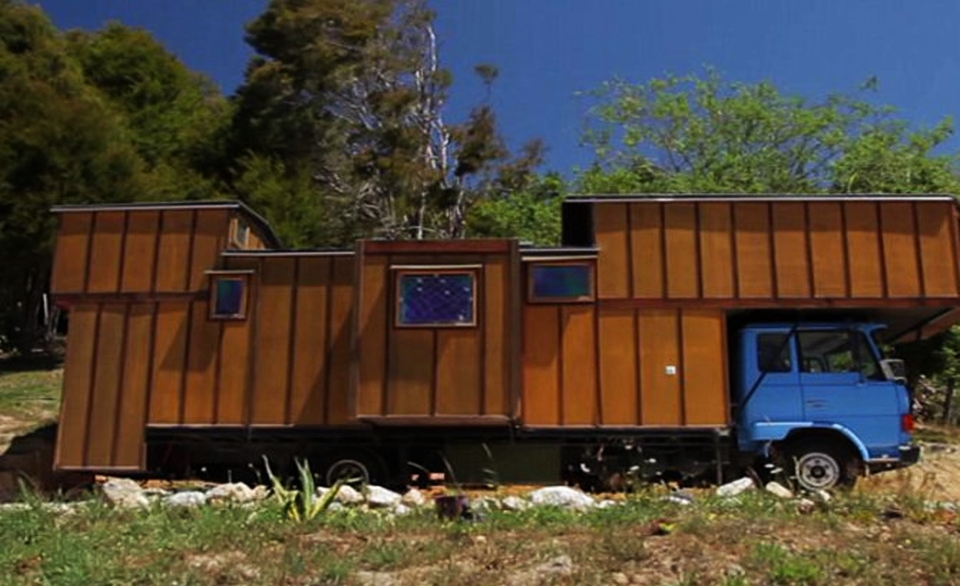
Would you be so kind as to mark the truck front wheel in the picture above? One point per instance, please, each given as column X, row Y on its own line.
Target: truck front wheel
column 818, row 465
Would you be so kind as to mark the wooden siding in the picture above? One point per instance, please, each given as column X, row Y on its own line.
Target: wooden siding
column 585, row 365
column 435, row 374
column 716, row 253
column 137, row 251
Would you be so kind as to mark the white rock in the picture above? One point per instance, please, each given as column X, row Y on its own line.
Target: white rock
column 777, row 489
column 187, row 499
column 377, row 496
column 413, row 498
column 620, row 578
column 562, row 496
column 335, row 506
column 349, row 495
column 679, row 497
column 124, row 493
column 233, row 492
column 606, row 504
column 514, row 503
column 736, row 487
column 401, row 509
column 822, row 495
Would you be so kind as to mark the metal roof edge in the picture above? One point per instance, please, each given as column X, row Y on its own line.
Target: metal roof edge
column 812, row 197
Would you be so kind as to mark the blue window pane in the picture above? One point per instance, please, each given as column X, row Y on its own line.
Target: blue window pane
column 436, row 299
column 561, row 281
column 229, row 297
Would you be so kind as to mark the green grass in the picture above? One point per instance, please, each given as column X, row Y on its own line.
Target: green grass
column 25, row 395
column 758, row 540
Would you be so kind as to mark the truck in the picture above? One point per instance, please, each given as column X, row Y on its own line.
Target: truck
column 667, row 337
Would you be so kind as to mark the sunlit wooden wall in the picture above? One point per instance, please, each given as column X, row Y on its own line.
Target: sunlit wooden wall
column 795, row 252
column 434, row 375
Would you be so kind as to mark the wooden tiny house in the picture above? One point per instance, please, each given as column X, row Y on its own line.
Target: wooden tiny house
column 190, row 323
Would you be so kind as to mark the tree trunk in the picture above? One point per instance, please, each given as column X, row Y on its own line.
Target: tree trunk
column 948, row 403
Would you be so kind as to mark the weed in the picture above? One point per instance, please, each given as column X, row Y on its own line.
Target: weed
column 302, row 503
column 785, row 568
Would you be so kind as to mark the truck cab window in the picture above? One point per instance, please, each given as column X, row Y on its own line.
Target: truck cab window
column 834, row 351
column 773, row 353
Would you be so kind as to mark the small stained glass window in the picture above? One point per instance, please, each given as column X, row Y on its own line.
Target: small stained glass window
column 436, row 299
column 561, row 282
column 228, row 297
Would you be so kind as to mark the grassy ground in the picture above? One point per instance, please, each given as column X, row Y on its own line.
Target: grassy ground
column 882, row 533
column 756, row 540
column 29, row 397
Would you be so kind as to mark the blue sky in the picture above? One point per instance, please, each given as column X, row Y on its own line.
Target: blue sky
column 548, row 50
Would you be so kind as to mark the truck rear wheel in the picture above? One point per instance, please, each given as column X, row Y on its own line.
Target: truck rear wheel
column 355, row 468
column 818, row 465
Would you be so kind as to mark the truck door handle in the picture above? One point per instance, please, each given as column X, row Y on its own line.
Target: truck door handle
column 816, row 403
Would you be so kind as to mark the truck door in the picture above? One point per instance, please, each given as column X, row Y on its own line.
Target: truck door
column 771, row 383
column 842, row 383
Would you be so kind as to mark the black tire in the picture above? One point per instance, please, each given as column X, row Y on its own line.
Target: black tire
column 356, row 468
column 821, row 465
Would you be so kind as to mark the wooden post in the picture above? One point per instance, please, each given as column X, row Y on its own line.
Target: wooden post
column 948, row 403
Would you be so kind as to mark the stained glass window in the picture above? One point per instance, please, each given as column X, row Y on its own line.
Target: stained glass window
column 436, row 299
column 228, row 297
column 561, row 282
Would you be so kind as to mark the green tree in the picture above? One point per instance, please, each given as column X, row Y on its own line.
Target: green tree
column 351, row 94
column 703, row 134
column 59, row 143
column 175, row 117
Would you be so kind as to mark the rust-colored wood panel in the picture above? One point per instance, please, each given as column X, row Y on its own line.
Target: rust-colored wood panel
column 752, row 226
column 610, row 221
column 899, row 249
column 106, row 387
column 618, row 367
column 579, row 365
column 704, row 380
column 77, row 373
column 863, row 249
column 200, row 384
column 716, row 250
column 272, row 341
column 310, row 347
column 680, row 227
column 70, row 257
column 339, row 407
column 458, row 374
column 128, row 441
column 646, row 244
column 170, row 342
column 107, row 246
column 173, row 259
column 826, row 249
column 139, row 251
column 936, row 247
column 372, row 335
column 208, row 239
column 791, row 256
column 410, row 372
column 660, row 376
column 496, row 343
column 234, row 379
column 541, row 351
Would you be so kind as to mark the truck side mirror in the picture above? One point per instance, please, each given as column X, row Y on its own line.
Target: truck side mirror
column 894, row 370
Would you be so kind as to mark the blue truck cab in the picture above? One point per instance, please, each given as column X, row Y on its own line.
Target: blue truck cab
column 821, row 399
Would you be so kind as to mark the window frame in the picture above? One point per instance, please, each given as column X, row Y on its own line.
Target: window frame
column 787, row 349
column 216, row 276
column 402, row 271
column 591, row 266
